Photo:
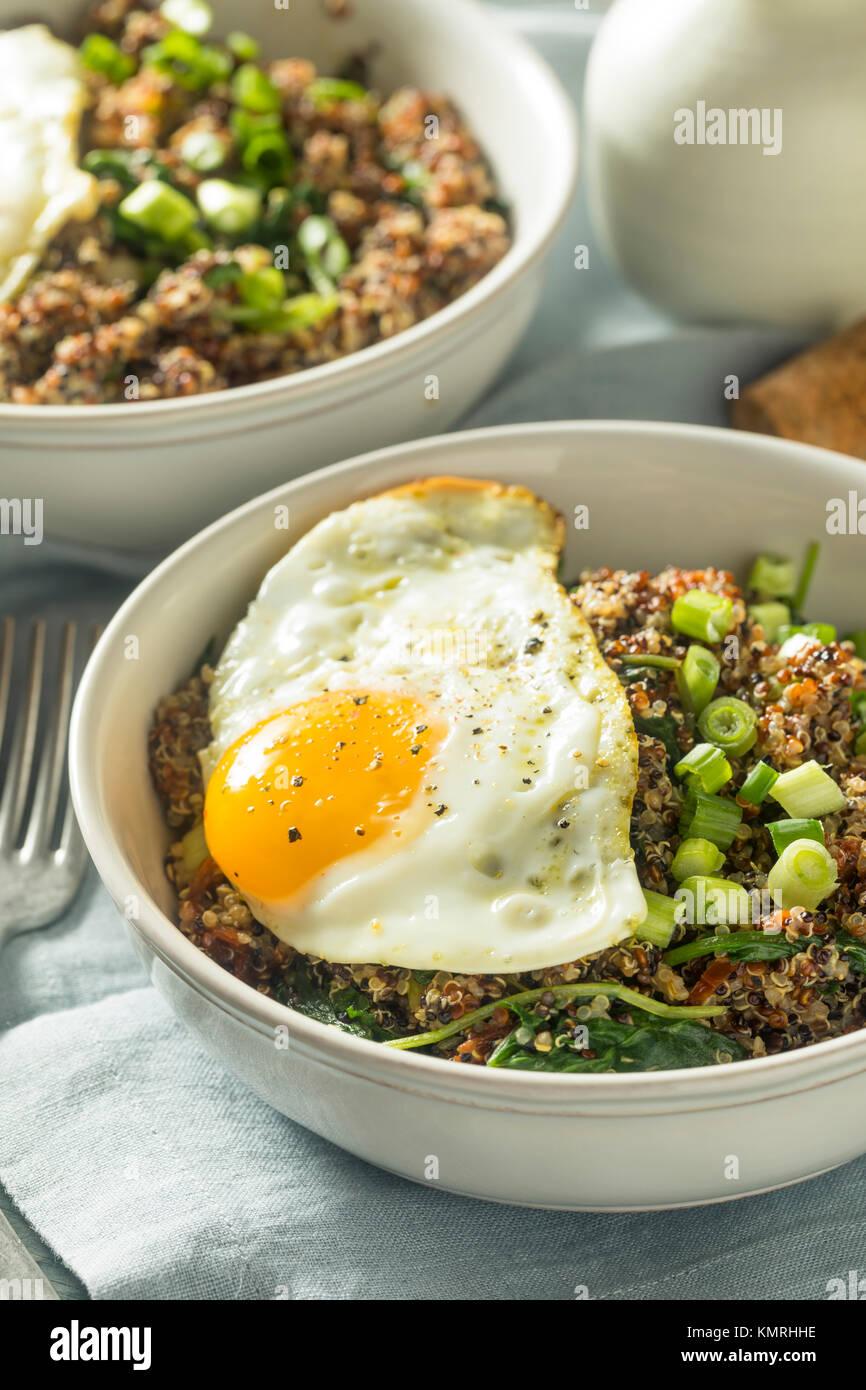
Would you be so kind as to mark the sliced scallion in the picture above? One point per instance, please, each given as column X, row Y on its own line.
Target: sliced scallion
column 253, row 90
column 245, row 48
column 262, row 289
column 784, row 832
column 773, row 576
column 203, row 150
column 662, row 916
column 326, row 254
column 701, row 614
column 101, row 54
column 808, row 791
column 730, row 724
column 158, row 208
column 772, row 616
column 804, row 875
column 325, row 91
column 696, row 858
column 269, row 155
column 759, row 784
column 697, row 679
column 706, row 817
column 228, row 207
column 714, row 902
column 707, row 765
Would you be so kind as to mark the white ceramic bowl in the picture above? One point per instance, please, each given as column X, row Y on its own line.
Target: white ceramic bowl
column 656, row 493
column 147, row 474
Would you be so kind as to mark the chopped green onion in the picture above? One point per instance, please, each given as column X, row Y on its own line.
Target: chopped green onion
column 696, row 858
column 804, row 875
column 824, row 632
column 706, row 817
column 215, row 64
column 314, row 234
column 707, row 765
column 269, row 155
column 783, row 832
column 771, row 616
column 808, row 791
column 730, row 724
column 811, row 560
column 661, row 919
column 325, row 252
column 758, row 784
column 101, row 54
column 301, row 312
column 773, row 576
column 325, row 91
column 664, row 663
column 246, row 125
column 701, row 614
column 158, row 208
column 192, row 66
column 714, row 902
column 193, row 16
column 253, row 90
column 245, row 48
column 263, row 289
column 563, row 994
column 203, row 150
column 228, row 207
column 697, row 679
column 859, row 640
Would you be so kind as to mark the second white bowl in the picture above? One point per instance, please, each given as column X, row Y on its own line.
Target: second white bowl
column 147, row 474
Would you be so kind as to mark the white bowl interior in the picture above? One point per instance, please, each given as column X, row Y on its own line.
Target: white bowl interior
column 655, row 494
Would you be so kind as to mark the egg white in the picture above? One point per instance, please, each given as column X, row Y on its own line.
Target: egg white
column 42, row 97
column 446, row 590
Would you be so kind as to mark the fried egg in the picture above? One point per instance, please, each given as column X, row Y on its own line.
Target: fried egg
column 42, row 97
column 419, row 757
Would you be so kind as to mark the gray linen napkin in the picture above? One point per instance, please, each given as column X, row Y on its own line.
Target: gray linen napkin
column 152, row 1173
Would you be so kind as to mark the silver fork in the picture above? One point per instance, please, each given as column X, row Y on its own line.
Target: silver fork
column 38, row 878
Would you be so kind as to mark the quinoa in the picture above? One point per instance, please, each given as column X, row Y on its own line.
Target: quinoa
column 803, row 711
column 112, row 317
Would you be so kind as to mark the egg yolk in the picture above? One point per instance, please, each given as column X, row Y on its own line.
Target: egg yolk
column 313, row 784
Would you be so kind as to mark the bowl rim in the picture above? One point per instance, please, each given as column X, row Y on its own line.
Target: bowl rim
column 725, row 1083
column 514, row 51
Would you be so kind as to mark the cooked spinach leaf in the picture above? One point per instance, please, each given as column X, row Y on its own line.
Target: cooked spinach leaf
column 854, row 949
column 740, row 945
column 348, row 1009
column 663, row 727
column 651, row 1045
